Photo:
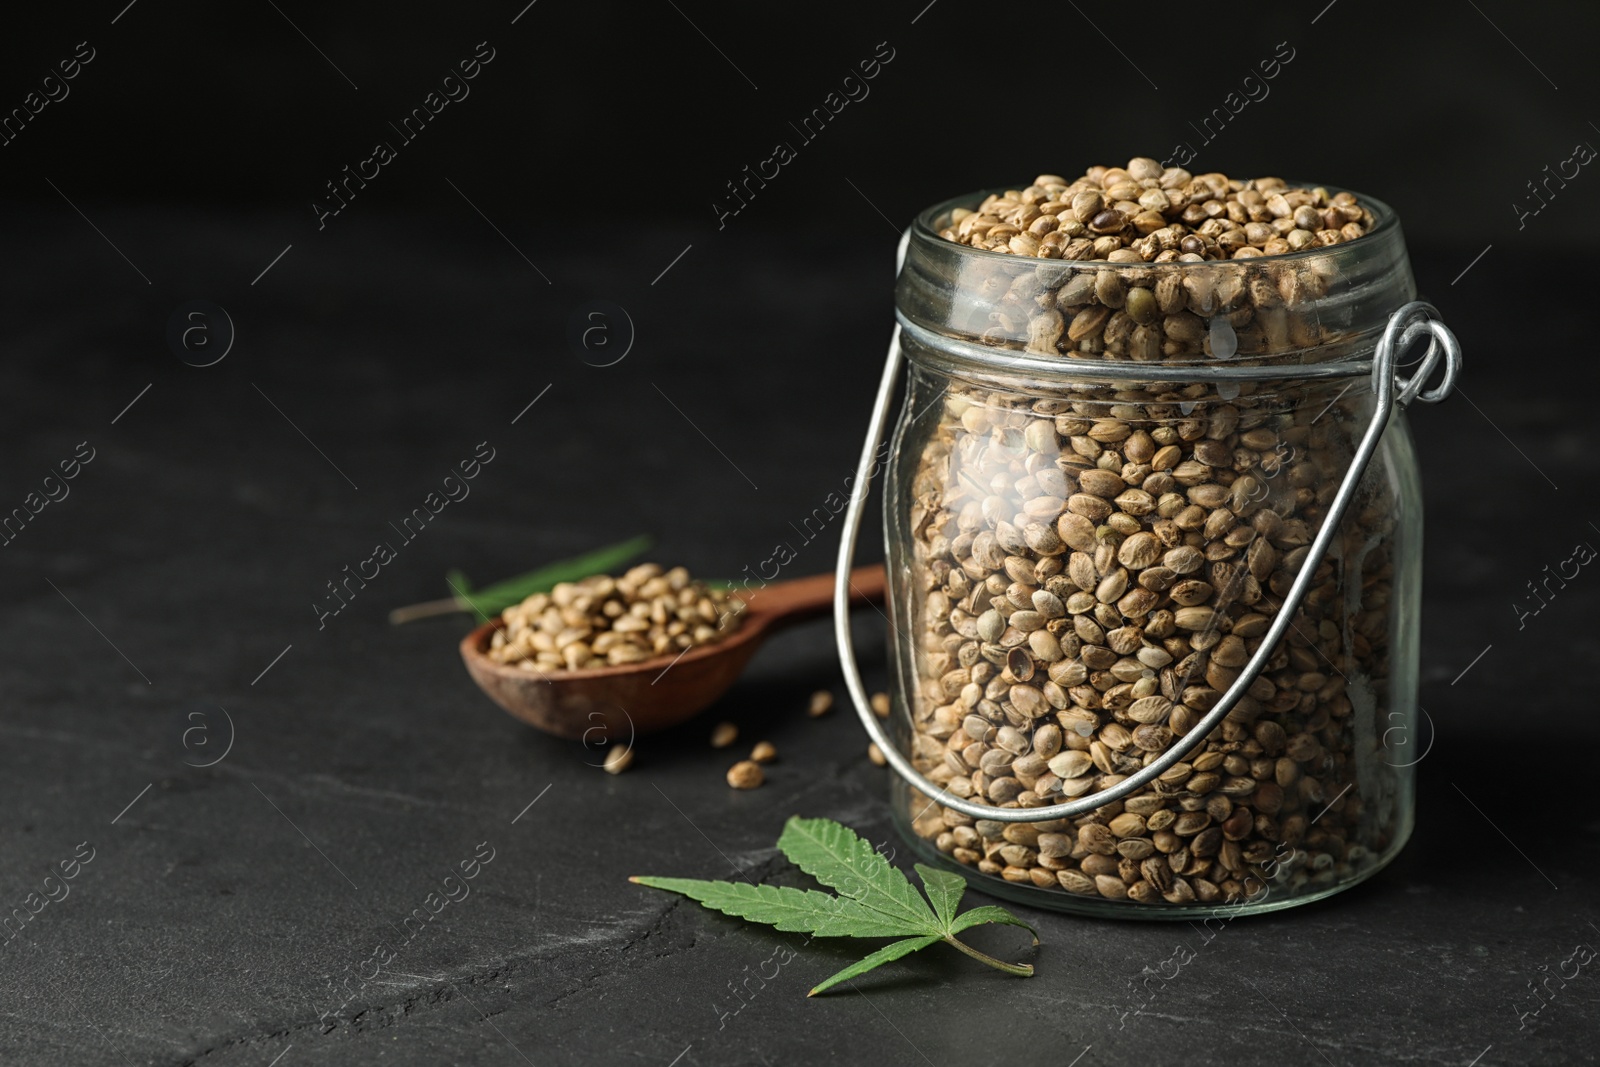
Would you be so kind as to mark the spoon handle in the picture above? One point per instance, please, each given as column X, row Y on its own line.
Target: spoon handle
column 798, row 599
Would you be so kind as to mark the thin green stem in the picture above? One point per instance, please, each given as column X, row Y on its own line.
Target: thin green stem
column 1024, row 970
column 428, row 608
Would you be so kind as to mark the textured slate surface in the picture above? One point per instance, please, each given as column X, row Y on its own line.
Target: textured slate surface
column 222, row 901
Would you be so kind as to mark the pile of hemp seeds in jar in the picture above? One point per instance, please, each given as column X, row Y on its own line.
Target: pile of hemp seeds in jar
column 1146, row 213
column 1094, row 562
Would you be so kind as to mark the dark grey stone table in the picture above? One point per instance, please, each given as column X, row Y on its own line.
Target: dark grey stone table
column 254, row 796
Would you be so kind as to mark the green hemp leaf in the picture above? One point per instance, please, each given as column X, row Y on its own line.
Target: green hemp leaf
column 491, row 600
column 874, row 899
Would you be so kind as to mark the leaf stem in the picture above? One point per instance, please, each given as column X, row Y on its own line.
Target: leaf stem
column 427, row 609
column 1024, row 970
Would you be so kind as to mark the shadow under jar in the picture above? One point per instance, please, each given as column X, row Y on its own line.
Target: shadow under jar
column 1105, row 479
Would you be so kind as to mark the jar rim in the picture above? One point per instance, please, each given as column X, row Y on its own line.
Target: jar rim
column 945, row 292
column 1385, row 219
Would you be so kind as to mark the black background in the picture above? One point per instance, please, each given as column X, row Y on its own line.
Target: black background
column 373, row 354
column 602, row 113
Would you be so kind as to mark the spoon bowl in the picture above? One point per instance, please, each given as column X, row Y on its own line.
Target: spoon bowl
column 651, row 695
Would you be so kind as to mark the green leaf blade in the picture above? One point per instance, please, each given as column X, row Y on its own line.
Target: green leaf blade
column 493, row 599
column 944, row 890
column 460, row 593
column 877, row 900
column 884, row 955
column 990, row 913
column 840, row 859
column 793, row 910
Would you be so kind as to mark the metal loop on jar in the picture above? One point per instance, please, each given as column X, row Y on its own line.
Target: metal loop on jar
column 1390, row 391
column 1405, row 326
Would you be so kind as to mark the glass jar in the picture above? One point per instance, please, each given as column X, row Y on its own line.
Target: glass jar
column 1132, row 674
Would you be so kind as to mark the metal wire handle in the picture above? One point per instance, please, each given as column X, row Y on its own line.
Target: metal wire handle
column 1391, row 390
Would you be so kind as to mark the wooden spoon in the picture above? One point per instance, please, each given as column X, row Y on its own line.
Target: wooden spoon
column 651, row 695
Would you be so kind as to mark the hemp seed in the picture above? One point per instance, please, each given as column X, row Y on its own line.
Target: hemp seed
column 746, row 774
column 619, row 760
